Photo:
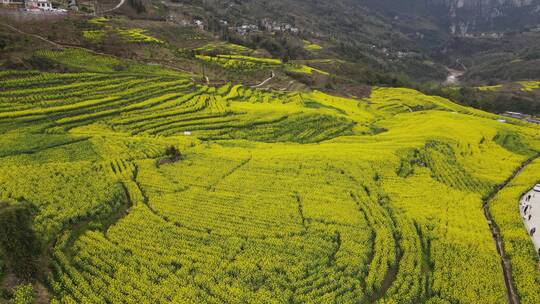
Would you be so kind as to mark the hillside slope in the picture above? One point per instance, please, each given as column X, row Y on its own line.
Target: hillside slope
column 266, row 196
column 491, row 41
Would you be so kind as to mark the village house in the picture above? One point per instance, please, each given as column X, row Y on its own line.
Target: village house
column 72, row 4
column 199, row 24
column 43, row 5
column 276, row 27
column 247, row 28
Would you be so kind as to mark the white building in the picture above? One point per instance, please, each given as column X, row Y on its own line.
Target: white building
column 199, row 24
column 43, row 5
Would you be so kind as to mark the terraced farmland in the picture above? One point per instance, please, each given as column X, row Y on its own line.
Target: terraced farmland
column 248, row 63
column 279, row 197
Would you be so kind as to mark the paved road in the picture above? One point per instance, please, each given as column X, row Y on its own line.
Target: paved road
column 531, row 208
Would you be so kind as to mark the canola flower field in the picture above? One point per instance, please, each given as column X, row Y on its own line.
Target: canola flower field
column 101, row 27
column 248, row 63
column 280, row 197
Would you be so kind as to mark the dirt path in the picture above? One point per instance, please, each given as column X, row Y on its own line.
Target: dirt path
column 33, row 35
column 265, row 81
column 505, row 263
column 116, row 7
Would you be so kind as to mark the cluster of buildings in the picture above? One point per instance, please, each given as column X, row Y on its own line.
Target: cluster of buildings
column 247, row 28
column 484, row 35
column 32, row 5
column 268, row 26
column 276, row 27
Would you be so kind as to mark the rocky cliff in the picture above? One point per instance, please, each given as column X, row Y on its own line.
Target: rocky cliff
column 471, row 16
column 466, row 17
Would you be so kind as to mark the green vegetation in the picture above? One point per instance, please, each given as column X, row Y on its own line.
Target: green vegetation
column 152, row 188
column 529, row 85
column 137, row 35
column 512, row 96
column 216, row 48
column 312, row 46
column 246, row 63
column 304, row 69
column 102, row 27
column 94, row 35
column 490, row 88
column 512, row 142
column 18, row 241
column 78, row 60
column 99, row 21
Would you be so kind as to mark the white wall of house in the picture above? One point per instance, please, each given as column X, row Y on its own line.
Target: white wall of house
column 39, row 4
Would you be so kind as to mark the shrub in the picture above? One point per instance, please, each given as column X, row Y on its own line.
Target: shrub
column 19, row 241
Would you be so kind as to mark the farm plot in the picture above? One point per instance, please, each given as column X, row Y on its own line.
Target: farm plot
column 277, row 197
column 249, row 63
column 517, row 243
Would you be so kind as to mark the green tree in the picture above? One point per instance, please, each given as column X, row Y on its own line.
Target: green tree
column 19, row 241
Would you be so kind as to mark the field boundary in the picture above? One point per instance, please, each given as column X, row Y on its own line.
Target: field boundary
column 511, row 294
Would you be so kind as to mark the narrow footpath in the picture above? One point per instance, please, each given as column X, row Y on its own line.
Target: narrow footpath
column 265, row 81
column 505, row 262
column 116, row 7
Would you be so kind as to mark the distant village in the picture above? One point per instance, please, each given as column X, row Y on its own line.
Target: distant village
column 265, row 25
column 38, row 6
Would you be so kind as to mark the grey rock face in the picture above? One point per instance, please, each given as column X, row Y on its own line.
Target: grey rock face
column 466, row 17
column 471, row 16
